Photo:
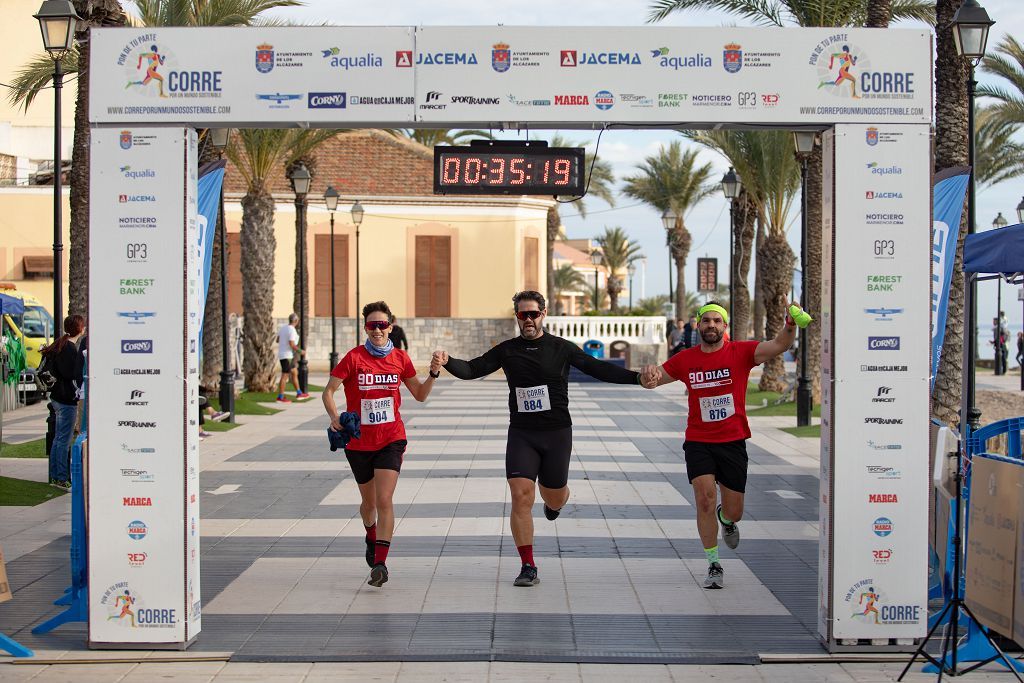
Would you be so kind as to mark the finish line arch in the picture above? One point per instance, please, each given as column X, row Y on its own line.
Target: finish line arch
column 869, row 91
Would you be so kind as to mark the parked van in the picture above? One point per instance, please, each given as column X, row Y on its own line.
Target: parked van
column 35, row 327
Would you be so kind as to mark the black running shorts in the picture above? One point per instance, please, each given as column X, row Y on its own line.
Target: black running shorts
column 727, row 461
column 286, row 365
column 540, row 455
column 363, row 463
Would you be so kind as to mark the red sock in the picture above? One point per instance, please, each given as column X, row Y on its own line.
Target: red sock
column 526, row 553
column 371, row 532
column 380, row 551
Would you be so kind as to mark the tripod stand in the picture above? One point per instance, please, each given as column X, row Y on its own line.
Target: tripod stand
column 956, row 603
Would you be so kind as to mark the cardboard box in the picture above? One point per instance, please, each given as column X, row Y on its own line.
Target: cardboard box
column 992, row 541
column 5, row 587
column 1018, row 597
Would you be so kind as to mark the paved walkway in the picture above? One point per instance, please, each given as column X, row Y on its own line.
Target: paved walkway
column 284, row 575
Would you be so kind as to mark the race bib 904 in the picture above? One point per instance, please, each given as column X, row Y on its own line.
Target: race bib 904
column 716, row 408
column 377, row 411
column 533, row 399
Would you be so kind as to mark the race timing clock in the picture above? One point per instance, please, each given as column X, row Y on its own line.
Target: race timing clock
column 494, row 167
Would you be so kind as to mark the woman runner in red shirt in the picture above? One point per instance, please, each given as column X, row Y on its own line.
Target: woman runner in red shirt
column 371, row 375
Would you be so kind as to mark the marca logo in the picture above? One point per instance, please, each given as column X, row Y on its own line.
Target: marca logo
column 141, row 174
column 446, row 58
column 340, row 61
column 884, row 314
column 571, row 100
column 136, row 424
column 326, row 100
column 135, row 286
column 882, row 526
column 883, row 395
column 882, row 555
column 870, row 194
column 136, row 559
column 694, row 61
column 884, row 446
column 883, row 343
column 604, row 100
column 403, row 59
column 875, row 169
column 569, row 58
column 883, row 283
column 137, row 530
column 136, row 501
column 883, row 498
column 732, row 58
column 883, row 420
column 136, row 221
column 136, row 317
column 136, row 346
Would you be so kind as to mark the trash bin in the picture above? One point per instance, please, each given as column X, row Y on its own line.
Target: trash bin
column 594, row 348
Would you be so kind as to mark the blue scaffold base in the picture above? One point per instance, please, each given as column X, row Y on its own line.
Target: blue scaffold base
column 76, row 596
column 15, row 648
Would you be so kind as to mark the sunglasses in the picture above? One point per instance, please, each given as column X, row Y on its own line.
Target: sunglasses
column 528, row 315
column 377, row 324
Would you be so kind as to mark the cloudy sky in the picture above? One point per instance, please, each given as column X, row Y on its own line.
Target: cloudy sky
column 624, row 149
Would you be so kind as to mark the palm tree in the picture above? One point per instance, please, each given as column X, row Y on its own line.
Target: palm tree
column 998, row 155
column 566, row 279
column 599, row 184
column 652, row 305
column 617, row 252
column 1008, row 64
column 257, row 154
column 672, row 181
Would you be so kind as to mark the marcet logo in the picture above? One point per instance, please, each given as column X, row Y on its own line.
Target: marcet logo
column 137, row 346
column 882, row 395
column 695, row 61
column 327, row 100
column 883, row 343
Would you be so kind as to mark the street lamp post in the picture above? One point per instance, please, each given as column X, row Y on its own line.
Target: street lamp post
column 1000, row 365
column 804, row 143
column 731, row 187
column 971, row 25
column 1020, row 219
column 668, row 221
column 595, row 258
column 57, row 21
column 631, row 269
column 300, row 179
column 357, row 219
column 331, row 200
column 219, row 140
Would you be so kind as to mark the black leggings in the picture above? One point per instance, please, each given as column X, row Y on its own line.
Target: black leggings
column 539, row 455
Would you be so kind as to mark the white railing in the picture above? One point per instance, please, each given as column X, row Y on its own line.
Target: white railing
column 608, row 329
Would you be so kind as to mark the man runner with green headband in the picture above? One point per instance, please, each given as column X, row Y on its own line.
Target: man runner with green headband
column 715, row 374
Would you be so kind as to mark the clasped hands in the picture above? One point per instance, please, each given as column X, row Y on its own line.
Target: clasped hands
column 650, row 375
column 438, row 360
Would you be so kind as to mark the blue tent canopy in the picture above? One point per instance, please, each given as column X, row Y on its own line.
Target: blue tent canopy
column 995, row 251
column 10, row 305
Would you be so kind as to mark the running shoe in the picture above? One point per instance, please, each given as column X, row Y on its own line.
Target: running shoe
column 715, row 577
column 220, row 416
column 369, row 552
column 281, row 399
column 61, row 484
column 527, row 577
column 730, row 532
column 302, row 396
column 551, row 514
column 378, row 575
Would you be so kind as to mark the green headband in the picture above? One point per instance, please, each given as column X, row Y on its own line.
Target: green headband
column 713, row 307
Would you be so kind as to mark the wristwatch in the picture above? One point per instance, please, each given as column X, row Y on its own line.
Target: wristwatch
column 433, row 374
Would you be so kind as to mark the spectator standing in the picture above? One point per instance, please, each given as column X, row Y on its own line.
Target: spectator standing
column 287, row 347
column 66, row 362
column 397, row 336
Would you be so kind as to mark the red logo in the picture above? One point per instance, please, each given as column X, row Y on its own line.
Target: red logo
column 403, row 58
column 137, row 559
column 882, row 498
column 882, row 556
column 770, row 100
column 136, row 502
column 569, row 58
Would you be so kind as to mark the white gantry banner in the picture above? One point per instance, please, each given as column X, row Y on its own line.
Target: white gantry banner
column 143, row 388
column 875, row 445
column 503, row 76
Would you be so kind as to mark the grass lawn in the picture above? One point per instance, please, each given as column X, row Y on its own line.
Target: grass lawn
column 756, row 397
column 21, row 492
column 29, row 449
column 248, row 402
column 212, row 426
column 787, row 408
column 809, row 432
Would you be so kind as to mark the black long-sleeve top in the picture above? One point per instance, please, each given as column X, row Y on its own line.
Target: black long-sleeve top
column 530, row 364
column 68, row 366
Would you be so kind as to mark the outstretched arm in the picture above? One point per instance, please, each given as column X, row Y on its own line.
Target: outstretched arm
column 473, row 369
column 783, row 341
column 599, row 369
column 420, row 390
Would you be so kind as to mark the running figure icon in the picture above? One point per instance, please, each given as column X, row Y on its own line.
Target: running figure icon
column 126, row 608
column 156, row 60
column 869, row 608
column 846, row 60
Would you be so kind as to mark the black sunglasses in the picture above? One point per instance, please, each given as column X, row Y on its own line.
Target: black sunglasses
column 377, row 324
column 529, row 315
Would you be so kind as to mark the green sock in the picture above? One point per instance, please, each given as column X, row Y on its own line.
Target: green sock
column 711, row 554
column 722, row 519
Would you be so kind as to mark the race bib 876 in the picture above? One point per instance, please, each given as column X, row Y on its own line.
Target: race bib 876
column 716, row 408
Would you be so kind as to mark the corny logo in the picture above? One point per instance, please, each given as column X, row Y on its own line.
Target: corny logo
column 845, row 70
column 327, row 100
column 137, row 346
column 154, row 71
column 883, row 343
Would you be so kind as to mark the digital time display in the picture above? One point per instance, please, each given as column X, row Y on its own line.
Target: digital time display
column 501, row 169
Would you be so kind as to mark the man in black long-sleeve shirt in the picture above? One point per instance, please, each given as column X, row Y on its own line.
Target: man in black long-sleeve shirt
column 539, row 443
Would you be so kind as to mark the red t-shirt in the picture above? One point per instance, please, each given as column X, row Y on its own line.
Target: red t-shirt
column 372, row 391
column 716, row 386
